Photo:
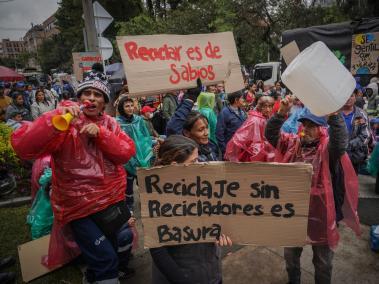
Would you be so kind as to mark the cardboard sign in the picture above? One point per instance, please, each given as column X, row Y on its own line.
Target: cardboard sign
column 83, row 62
column 289, row 52
column 30, row 255
column 253, row 203
column 158, row 63
column 365, row 53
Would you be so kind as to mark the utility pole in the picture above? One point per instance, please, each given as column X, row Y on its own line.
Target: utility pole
column 89, row 22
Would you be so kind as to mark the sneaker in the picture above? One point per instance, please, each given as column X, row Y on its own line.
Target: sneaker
column 126, row 273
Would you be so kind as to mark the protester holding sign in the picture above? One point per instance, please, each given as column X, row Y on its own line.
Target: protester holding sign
column 194, row 125
column 88, row 184
column 334, row 192
column 191, row 263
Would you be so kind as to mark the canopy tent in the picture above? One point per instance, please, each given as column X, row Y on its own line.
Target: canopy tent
column 7, row 74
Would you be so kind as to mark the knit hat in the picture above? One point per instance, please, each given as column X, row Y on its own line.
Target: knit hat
column 97, row 81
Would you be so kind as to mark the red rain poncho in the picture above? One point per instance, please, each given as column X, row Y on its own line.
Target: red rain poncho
column 88, row 173
column 322, row 227
column 248, row 143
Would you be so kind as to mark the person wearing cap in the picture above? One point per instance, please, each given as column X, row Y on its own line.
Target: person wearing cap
column 134, row 126
column 88, row 185
column 5, row 101
column 147, row 113
column 230, row 119
column 334, row 187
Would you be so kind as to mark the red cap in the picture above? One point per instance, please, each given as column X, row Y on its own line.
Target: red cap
column 147, row 109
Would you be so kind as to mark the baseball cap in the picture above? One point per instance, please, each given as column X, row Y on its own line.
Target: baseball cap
column 319, row 120
column 147, row 109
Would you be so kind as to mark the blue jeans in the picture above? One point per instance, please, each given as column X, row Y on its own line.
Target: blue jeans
column 322, row 261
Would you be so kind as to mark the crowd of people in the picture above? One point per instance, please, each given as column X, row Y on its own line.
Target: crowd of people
column 94, row 163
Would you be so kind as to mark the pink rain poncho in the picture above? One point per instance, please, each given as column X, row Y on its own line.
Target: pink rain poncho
column 322, row 227
column 88, row 173
column 248, row 143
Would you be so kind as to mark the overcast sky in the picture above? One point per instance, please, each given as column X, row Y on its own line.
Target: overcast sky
column 19, row 14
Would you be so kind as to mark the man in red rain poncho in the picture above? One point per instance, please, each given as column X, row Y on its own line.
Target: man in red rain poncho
column 88, row 184
column 248, row 142
column 334, row 189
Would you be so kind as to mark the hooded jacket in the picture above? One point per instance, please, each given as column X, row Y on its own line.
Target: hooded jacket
column 138, row 132
column 206, row 103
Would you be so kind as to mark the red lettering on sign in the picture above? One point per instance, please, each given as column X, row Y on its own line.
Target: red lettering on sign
column 190, row 73
column 151, row 54
column 211, row 51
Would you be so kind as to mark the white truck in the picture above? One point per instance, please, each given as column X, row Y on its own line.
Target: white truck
column 268, row 72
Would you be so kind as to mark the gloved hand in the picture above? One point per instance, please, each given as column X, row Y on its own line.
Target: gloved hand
column 193, row 93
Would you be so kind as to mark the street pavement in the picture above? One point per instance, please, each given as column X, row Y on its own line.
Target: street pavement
column 353, row 262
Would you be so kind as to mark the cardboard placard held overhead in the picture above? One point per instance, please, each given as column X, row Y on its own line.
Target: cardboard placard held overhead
column 83, row 61
column 159, row 63
column 253, row 203
column 365, row 53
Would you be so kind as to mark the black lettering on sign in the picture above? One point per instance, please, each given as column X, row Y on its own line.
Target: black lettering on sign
column 276, row 209
column 187, row 233
column 263, row 190
column 291, row 211
column 151, row 182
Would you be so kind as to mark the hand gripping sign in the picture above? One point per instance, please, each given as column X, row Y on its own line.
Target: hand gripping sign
column 158, row 63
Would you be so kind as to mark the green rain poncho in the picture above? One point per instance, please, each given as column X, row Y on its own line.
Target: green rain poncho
column 40, row 217
column 206, row 103
column 137, row 131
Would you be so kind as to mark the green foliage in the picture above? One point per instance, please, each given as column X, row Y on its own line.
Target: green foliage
column 55, row 53
column 142, row 24
column 257, row 24
column 8, row 157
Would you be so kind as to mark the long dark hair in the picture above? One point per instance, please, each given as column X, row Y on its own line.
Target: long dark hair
column 176, row 148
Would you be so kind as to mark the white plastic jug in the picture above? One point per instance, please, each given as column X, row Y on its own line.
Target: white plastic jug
column 319, row 79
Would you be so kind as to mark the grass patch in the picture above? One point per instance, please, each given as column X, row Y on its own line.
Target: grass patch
column 14, row 231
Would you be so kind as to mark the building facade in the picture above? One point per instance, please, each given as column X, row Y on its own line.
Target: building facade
column 11, row 48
